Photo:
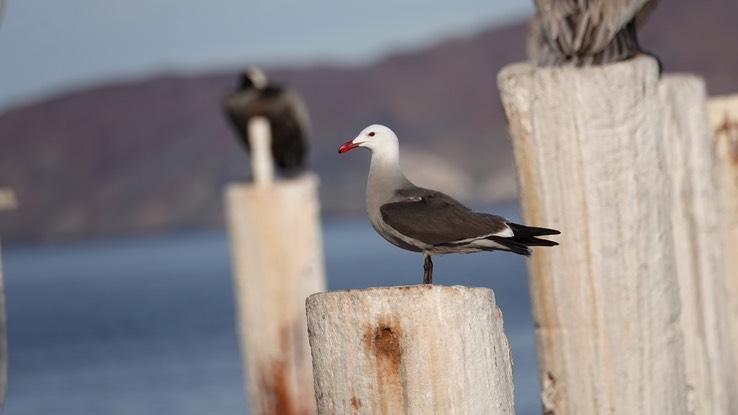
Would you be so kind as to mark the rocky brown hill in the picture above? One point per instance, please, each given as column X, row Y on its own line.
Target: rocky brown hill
column 153, row 155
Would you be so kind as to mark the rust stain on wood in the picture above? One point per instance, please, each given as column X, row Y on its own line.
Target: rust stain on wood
column 276, row 394
column 383, row 340
column 276, row 387
column 728, row 131
column 355, row 403
column 387, row 347
column 275, row 391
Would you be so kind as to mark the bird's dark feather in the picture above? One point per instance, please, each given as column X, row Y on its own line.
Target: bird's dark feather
column 288, row 121
column 586, row 32
column 511, row 245
column 435, row 218
column 527, row 236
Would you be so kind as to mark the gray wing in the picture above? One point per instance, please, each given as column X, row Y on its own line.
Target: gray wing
column 237, row 106
column 299, row 110
column 290, row 129
column 288, row 119
column 436, row 218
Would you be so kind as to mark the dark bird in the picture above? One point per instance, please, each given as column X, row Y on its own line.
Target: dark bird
column 586, row 32
column 283, row 108
column 427, row 221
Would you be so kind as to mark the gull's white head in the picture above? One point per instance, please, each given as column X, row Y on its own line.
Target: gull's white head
column 374, row 137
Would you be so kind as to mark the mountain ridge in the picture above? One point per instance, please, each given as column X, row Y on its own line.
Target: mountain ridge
column 152, row 155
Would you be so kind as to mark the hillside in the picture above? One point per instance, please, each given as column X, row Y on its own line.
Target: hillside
column 153, row 155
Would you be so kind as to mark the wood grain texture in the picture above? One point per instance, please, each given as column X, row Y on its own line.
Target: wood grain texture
column 417, row 350
column 710, row 362
column 591, row 162
column 277, row 261
column 723, row 118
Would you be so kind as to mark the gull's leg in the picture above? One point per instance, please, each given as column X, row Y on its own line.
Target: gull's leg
column 427, row 269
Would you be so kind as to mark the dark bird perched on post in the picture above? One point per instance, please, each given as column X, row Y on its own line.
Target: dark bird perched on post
column 427, row 221
column 586, row 32
column 283, row 108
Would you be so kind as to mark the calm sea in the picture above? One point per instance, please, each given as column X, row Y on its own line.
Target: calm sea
column 146, row 325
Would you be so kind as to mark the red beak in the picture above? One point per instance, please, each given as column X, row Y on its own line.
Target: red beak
column 348, row 145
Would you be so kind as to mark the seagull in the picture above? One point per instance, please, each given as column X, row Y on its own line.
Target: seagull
column 284, row 108
column 428, row 221
column 586, row 32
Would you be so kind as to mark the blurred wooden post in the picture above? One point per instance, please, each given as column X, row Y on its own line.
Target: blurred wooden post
column 276, row 247
column 424, row 350
column 723, row 115
column 591, row 162
column 7, row 202
column 710, row 361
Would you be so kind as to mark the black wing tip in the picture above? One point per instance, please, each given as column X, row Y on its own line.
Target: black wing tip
column 525, row 237
column 531, row 231
column 512, row 245
column 529, row 240
column 539, row 242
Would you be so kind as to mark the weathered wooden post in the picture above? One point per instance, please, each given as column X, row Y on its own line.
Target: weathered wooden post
column 710, row 360
column 591, row 162
column 7, row 202
column 276, row 246
column 418, row 350
column 723, row 115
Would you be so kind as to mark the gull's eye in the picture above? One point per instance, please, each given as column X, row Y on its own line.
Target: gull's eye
column 371, row 134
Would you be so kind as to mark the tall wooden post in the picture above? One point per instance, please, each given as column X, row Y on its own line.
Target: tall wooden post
column 418, row 350
column 591, row 162
column 276, row 249
column 710, row 361
column 277, row 255
column 723, row 115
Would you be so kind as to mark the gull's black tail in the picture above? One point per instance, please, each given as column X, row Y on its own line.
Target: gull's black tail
column 525, row 236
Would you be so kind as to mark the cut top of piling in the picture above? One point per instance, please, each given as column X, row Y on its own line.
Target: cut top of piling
column 423, row 349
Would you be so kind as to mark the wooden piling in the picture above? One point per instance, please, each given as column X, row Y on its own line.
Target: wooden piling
column 591, row 162
column 277, row 258
column 418, row 350
column 723, row 118
column 710, row 362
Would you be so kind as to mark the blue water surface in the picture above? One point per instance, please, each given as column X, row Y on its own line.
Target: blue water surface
column 146, row 325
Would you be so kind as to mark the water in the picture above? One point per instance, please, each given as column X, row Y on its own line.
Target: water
column 146, row 325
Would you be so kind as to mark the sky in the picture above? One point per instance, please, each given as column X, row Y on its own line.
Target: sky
column 49, row 47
